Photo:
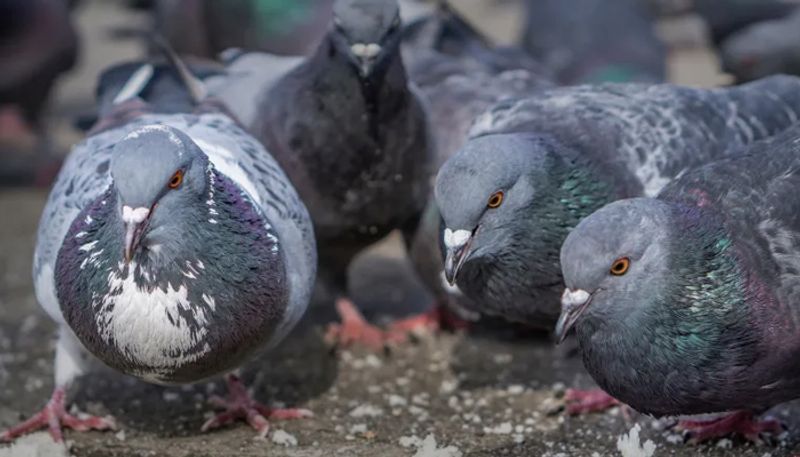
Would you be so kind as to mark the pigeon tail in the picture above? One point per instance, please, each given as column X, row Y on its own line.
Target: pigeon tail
column 196, row 88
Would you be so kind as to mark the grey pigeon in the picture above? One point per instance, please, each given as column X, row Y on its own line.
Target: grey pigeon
column 584, row 41
column 460, row 74
column 727, row 17
column 538, row 165
column 688, row 303
column 352, row 135
column 763, row 49
column 173, row 248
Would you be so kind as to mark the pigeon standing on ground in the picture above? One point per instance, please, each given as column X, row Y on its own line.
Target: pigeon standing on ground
column 688, row 303
column 763, row 49
column 537, row 166
column 352, row 135
column 460, row 75
column 173, row 248
column 589, row 41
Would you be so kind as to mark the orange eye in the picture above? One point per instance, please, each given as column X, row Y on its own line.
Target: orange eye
column 620, row 266
column 496, row 199
column 176, row 180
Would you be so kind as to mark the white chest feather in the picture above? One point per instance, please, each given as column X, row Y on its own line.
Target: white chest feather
column 147, row 326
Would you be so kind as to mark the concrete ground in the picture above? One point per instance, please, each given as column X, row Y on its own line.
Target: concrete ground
column 488, row 393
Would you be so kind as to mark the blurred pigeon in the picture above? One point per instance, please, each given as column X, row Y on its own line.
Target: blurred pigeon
column 726, row 17
column 173, row 248
column 764, row 49
column 443, row 43
column 204, row 28
column 350, row 133
column 537, row 166
column 697, row 289
column 585, row 41
column 37, row 44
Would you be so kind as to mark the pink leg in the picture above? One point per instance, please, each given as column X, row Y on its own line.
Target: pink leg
column 588, row 401
column 54, row 416
column 355, row 329
column 240, row 405
column 742, row 422
column 433, row 320
column 13, row 126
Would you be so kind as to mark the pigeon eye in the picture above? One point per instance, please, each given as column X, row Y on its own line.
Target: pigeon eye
column 496, row 199
column 176, row 180
column 620, row 266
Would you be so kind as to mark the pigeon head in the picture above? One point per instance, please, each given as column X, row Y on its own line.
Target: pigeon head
column 160, row 176
column 614, row 260
column 367, row 31
column 506, row 199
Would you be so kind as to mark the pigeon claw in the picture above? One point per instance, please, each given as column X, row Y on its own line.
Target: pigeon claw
column 239, row 405
column 588, row 401
column 354, row 329
column 53, row 417
column 741, row 422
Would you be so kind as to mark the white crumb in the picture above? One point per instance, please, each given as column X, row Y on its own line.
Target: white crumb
column 429, row 448
column 282, row 438
column 366, row 410
column 409, row 441
column 503, row 429
column 629, row 445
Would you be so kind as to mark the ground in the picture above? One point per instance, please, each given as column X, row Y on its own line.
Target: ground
column 490, row 392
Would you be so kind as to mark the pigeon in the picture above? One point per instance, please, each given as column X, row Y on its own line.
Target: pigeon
column 763, row 49
column 351, row 133
column 172, row 248
column 204, row 28
column 686, row 303
column 460, row 74
column 37, row 44
column 536, row 166
column 590, row 41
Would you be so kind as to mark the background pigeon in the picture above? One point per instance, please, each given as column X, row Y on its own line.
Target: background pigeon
column 595, row 40
column 353, row 137
column 764, row 48
column 688, row 303
column 539, row 165
column 173, row 248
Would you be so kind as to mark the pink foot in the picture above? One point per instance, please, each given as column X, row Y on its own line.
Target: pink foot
column 14, row 129
column 54, row 416
column 240, row 405
column 437, row 318
column 742, row 422
column 588, row 401
column 355, row 329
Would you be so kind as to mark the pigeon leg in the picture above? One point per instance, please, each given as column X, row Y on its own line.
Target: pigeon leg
column 70, row 362
column 742, row 422
column 54, row 416
column 433, row 320
column 355, row 329
column 588, row 401
column 241, row 405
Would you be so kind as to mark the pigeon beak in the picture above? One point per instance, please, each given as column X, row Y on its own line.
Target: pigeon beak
column 365, row 56
column 457, row 244
column 135, row 221
column 573, row 304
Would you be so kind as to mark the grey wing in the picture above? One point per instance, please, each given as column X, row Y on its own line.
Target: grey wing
column 244, row 160
column 247, row 78
column 655, row 131
column 756, row 193
column 84, row 177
